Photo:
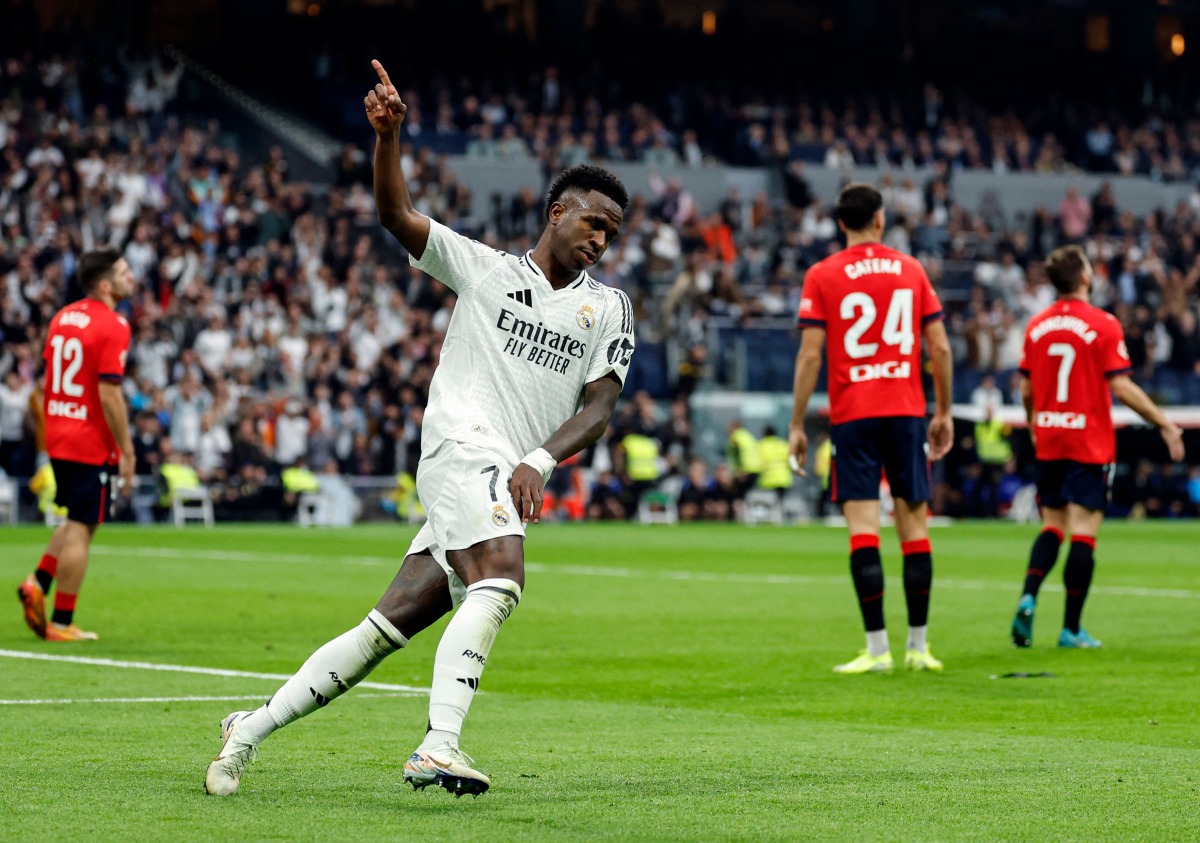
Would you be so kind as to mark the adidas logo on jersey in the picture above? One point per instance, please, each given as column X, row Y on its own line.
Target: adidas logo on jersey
column 525, row 297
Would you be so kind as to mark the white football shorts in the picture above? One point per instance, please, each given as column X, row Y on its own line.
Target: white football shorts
column 464, row 489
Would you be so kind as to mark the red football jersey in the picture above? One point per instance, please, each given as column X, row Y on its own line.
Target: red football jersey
column 872, row 302
column 1071, row 350
column 87, row 343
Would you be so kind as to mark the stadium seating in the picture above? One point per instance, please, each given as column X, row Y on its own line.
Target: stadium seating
column 192, row 505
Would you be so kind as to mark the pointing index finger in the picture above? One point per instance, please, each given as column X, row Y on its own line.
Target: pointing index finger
column 383, row 76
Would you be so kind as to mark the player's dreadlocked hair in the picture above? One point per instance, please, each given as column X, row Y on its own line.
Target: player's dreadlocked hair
column 585, row 178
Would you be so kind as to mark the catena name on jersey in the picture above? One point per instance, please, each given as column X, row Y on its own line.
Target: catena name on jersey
column 538, row 344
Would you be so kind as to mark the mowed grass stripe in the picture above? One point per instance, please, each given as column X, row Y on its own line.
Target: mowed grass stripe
column 168, row 553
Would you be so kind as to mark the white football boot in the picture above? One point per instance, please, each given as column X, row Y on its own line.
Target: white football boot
column 225, row 772
column 446, row 766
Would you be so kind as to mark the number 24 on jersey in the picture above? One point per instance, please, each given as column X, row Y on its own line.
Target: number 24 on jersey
column 897, row 323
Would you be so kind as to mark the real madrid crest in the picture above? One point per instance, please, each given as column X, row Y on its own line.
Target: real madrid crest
column 499, row 516
column 586, row 317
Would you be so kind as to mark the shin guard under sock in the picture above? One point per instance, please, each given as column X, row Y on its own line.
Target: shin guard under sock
column 463, row 652
column 1042, row 558
column 866, row 567
column 1077, row 578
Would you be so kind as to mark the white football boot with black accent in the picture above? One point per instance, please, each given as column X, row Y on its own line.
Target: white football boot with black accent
column 225, row 772
column 446, row 766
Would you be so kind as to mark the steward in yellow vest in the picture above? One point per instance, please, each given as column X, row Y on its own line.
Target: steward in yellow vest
column 176, row 476
column 744, row 459
column 773, row 456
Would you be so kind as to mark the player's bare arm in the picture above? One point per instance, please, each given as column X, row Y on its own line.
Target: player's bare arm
column 393, row 205
column 578, row 432
column 808, row 367
column 1027, row 400
column 117, row 416
column 941, row 426
column 1133, row 397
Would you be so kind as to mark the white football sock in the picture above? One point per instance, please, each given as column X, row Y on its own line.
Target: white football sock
column 916, row 638
column 877, row 643
column 462, row 655
column 330, row 672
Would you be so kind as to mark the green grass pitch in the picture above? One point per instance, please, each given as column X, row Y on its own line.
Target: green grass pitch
column 656, row 683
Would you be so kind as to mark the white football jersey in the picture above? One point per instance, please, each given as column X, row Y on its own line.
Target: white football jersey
column 518, row 352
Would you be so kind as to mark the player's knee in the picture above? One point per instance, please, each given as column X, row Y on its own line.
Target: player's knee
column 497, row 596
column 418, row 597
column 380, row 636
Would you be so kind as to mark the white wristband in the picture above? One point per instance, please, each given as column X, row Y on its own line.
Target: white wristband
column 541, row 462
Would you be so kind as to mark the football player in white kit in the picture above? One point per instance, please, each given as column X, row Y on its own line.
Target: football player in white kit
column 531, row 367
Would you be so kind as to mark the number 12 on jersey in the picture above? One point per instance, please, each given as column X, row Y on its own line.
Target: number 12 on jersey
column 70, row 351
column 897, row 324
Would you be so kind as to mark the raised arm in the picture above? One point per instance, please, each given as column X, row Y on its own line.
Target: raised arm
column 394, row 206
column 578, row 432
column 1132, row 396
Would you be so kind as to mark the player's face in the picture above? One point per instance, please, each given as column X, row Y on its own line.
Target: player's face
column 585, row 225
column 1087, row 277
column 121, row 280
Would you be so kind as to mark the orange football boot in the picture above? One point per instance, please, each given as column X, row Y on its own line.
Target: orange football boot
column 34, row 602
column 54, row 632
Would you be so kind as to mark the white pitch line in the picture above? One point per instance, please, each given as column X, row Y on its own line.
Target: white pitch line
column 167, row 699
column 183, row 668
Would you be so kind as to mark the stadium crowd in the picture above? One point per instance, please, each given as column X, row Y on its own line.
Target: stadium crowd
column 574, row 117
column 276, row 328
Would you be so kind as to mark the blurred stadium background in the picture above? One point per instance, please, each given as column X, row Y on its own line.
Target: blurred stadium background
column 283, row 348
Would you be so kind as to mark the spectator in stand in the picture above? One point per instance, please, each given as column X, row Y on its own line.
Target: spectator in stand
column 1074, row 213
column 676, row 436
column 724, row 501
column 147, row 444
column 16, row 453
column 212, row 449
column 1193, row 491
column 188, row 403
column 987, row 396
column 606, row 499
column 291, row 433
column 213, row 346
column 1181, row 374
